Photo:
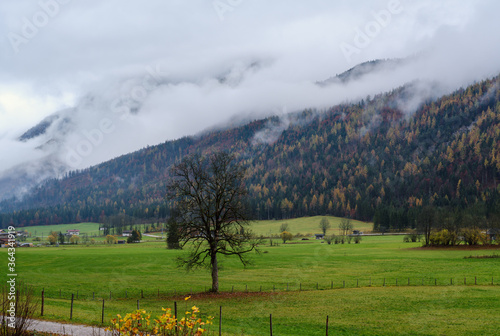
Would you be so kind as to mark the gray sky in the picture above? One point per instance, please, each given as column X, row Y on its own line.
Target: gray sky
column 162, row 60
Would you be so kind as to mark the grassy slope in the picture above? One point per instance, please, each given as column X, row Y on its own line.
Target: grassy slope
column 305, row 225
column 89, row 228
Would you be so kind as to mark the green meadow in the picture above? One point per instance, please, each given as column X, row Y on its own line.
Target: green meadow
column 39, row 231
column 381, row 286
column 305, row 226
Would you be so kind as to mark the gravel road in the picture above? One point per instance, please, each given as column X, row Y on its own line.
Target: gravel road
column 66, row 329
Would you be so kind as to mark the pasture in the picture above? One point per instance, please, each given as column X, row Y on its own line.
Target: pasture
column 362, row 287
column 305, row 226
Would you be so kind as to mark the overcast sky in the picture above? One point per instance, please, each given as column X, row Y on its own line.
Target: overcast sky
column 162, row 59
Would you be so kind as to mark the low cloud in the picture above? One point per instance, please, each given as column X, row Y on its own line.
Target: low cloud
column 128, row 75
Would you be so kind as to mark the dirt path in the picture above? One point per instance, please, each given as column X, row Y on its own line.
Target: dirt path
column 66, row 329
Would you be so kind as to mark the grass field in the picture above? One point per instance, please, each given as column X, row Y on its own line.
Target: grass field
column 39, row 231
column 472, row 310
column 305, row 225
column 429, row 306
column 362, row 287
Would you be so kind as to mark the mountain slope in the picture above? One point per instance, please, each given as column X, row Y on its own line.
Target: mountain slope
column 368, row 160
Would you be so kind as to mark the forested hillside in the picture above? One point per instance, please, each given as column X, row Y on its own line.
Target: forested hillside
column 371, row 161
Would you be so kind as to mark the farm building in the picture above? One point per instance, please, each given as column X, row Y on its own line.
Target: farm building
column 72, row 232
column 4, row 238
column 319, row 236
column 493, row 234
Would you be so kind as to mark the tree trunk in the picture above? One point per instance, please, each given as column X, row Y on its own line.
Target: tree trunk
column 215, row 272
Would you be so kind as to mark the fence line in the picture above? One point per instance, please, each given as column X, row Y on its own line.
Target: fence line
column 361, row 282
column 353, row 283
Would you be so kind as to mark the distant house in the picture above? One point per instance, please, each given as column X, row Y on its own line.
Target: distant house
column 4, row 238
column 356, row 232
column 72, row 232
column 493, row 234
column 319, row 236
column 126, row 233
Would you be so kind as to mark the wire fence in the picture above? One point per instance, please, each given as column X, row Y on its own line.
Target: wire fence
column 149, row 293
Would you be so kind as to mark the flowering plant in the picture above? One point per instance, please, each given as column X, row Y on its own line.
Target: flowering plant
column 139, row 323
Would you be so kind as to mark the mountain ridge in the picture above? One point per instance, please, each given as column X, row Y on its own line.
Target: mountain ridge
column 367, row 160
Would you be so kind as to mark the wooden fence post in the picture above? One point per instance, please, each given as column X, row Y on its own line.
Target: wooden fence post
column 142, row 294
column 271, row 324
column 175, row 309
column 138, row 305
column 220, row 321
column 102, row 312
column 326, row 325
column 43, row 296
column 71, row 311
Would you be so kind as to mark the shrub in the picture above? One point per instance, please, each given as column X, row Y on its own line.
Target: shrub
column 52, row 239
column 27, row 305
column 443, row 238
column 330, row 239
column 285, row 236
column 357, row 239
column 139, row 323
column 135, row 237
column 74, row 239
column 473, row 236
column 412, row 237
column 111, row 239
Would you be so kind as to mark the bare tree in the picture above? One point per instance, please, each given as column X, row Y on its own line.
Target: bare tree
column 426, row 222
column 324, row 225
column 213, row 214
column 17, row 319
column 345, row 226
column 284, row 227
